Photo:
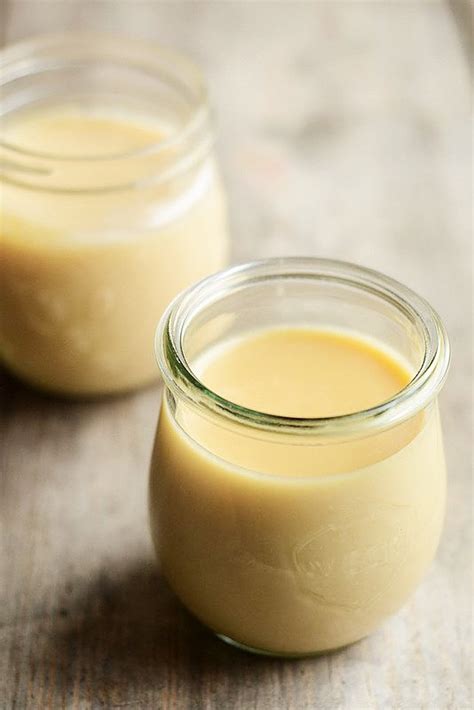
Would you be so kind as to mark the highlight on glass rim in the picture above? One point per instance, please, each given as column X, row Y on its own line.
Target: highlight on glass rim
column 235, row 341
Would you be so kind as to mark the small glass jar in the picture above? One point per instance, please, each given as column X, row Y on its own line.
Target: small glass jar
column 308, row 539
column 95, row 245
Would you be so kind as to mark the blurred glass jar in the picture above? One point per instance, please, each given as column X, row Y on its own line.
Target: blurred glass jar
column 111, row 203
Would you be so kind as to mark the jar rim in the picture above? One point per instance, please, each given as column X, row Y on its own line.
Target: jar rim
column 422, row 388
column 17, row 59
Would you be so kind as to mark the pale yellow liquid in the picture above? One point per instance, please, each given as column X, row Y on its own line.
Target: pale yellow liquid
column 304, row 373
column 86, row 275
column 291, row 544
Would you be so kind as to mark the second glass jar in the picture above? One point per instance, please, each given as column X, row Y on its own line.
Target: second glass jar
column 98, row 234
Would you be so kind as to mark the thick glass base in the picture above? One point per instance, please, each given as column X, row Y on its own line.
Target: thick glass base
column 274, row 654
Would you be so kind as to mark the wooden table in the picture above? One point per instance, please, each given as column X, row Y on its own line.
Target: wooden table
column 344, row 132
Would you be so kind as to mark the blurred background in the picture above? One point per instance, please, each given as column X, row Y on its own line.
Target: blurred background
column 344, row 131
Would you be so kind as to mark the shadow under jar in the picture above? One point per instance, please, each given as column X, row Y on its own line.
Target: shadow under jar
column 111, row 204
column 290, row 535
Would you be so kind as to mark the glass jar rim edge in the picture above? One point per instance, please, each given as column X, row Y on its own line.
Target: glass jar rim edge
column 201, row 115
column 423, row 387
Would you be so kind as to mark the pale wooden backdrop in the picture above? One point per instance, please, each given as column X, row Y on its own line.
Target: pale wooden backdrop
column 344, row 132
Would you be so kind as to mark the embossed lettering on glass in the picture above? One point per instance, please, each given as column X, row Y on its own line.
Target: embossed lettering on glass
column 289, row 535
column 111, row 204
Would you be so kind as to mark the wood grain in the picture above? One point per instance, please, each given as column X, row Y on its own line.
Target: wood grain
column 345, row 132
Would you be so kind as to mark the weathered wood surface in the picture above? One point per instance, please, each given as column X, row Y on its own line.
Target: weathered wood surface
column 344, row 132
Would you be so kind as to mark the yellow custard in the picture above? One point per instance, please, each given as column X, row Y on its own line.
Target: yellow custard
column 72, row 130
column 304, row 373
column 92, row 254
column 296, row 544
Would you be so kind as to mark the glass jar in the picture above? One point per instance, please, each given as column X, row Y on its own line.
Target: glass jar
column 293, row 536
column 98, row 237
